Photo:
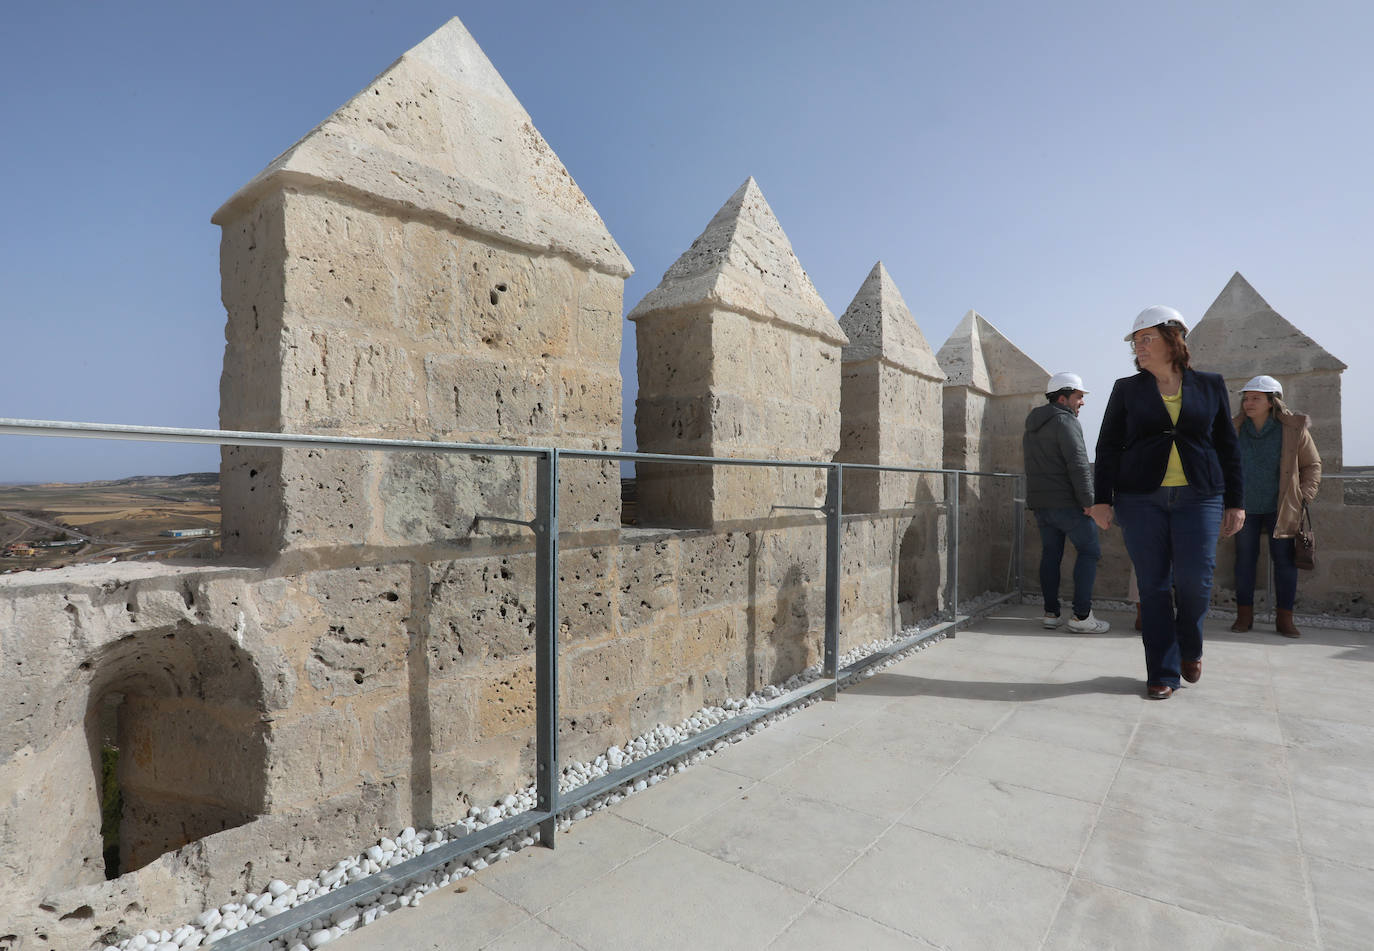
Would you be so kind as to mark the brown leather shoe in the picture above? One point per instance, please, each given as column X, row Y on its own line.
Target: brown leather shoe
column 1192, row 670
column 1245, row 617
column 1283, row 623
column 1159, row 691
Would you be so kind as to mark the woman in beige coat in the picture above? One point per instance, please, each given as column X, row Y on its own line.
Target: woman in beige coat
column 1282, row 470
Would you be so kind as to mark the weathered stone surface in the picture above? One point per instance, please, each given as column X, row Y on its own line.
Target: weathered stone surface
column 49, row 795
column 326, row 496
column 647, row 586
column 440, row 134
column 481, row 609
column 599, row 322
column 517, row 304
column 586, row 587
column 360, row 639
column 432, row 497
column 1241, row 336
column 603, row 676
column 505, row 703
column 738, row 356
column 879, row 324
column 889, row 397
column 375, row 288
column 744, row 263
column 715, row 569
column 252, row 287
column 977, row 355
column 342, row 382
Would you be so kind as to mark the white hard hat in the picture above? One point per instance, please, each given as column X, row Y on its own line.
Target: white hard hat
column 1153, row 317
column 1263, row 384
column 1065, row 381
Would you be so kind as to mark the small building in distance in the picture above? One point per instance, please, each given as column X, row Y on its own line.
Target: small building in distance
column 187, row 532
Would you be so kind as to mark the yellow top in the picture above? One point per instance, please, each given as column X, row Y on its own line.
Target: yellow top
column 1174, row 474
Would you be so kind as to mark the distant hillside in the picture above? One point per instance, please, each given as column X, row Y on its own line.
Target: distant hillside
column 185, row 480
column 153, row 481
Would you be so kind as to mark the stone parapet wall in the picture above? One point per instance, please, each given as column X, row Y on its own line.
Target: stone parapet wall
column 272, row 719
column 1337, row 588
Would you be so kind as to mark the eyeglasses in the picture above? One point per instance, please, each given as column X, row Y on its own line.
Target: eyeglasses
column 1144, row 340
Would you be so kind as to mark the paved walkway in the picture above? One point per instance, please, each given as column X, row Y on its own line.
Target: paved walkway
column 1010, row 788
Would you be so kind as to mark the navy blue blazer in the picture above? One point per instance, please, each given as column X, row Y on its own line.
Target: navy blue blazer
column 1133, row 443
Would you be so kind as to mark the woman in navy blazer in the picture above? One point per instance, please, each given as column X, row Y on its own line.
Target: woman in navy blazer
column 1169, row 469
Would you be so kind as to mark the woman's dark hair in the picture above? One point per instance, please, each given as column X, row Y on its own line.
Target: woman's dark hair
column 1178, row 347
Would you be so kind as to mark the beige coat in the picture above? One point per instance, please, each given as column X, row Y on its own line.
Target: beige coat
column 1300, row 471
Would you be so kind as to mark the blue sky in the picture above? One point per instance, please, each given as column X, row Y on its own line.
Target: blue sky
column 1055, row 166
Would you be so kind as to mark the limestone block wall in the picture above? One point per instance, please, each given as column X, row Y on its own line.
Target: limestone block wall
column 460, row 296
column 1338, row 587
column 271, row 722
column 738, row 356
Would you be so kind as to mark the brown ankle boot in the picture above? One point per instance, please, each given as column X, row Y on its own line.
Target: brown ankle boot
column 1283, row 623
column 1245, row 617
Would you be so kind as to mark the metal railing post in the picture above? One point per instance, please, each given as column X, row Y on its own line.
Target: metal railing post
column 834, row 485
column 546, row 642
column 1019, row 515
column 952, row 541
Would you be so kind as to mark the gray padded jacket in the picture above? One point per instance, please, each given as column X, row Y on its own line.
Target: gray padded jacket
column 1057, row 472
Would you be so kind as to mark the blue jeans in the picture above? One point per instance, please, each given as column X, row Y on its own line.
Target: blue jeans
column 1281, row 553
column 1055, row 526
column 1171, row 536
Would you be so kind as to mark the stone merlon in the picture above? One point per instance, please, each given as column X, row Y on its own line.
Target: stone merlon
column 440, row 132
column 880, row 325
column 1241, row 326
column 977, row 355
column 743, row 262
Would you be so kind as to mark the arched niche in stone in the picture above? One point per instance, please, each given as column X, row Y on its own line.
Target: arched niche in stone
column 183, row 709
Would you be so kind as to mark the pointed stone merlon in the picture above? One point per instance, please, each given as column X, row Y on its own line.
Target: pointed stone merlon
column 420, row 265
column 890, row 397
column 1241, row 336
column 992, row 386
column 738, row 356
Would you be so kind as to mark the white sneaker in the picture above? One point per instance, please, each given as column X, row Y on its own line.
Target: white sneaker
column 1051, row 621
column 1089, row 625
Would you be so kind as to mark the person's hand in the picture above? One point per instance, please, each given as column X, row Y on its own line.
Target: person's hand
column 1102, row 514
column 1232, row 521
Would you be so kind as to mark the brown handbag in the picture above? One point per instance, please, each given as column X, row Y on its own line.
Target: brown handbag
column 1305, row 542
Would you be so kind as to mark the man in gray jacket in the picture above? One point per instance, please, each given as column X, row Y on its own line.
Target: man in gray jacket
column 1059, row 489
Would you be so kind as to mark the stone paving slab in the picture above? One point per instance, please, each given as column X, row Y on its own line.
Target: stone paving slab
column 1007, row 788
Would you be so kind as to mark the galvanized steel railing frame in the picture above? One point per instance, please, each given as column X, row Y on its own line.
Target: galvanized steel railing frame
column 550, row 803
